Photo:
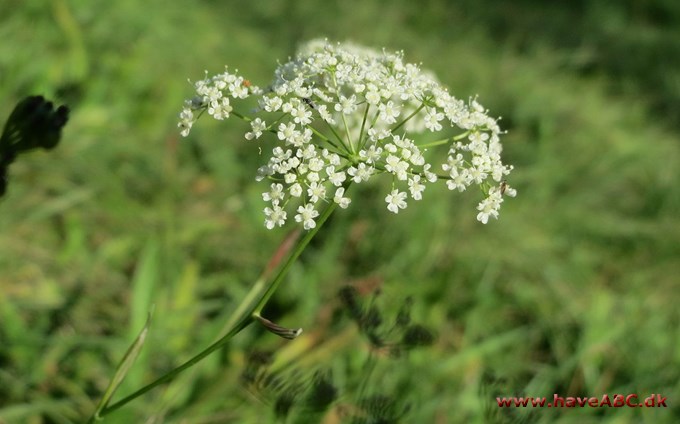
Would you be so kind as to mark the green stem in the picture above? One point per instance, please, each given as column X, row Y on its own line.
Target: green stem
column 349, row 137
column 335, row 133
column 302, row 244
column 243, row 323
column 405, row 120
column 246, row 319
column 241, row 116
column 335, row 149
column 361, row 141
column 444, row 141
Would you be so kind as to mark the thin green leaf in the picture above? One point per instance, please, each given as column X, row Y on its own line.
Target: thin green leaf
column 123, row 368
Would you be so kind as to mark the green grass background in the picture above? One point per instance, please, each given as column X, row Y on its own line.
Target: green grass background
column 574, row 291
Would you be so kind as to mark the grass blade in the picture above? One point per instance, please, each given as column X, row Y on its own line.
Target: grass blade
column 122, row 369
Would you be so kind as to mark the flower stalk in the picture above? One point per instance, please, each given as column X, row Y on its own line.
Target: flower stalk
column 251, row 314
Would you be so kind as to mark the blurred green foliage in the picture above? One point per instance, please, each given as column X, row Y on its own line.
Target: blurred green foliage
column 574, row 291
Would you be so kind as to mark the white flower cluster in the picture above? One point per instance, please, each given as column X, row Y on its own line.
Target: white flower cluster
column 342, row 114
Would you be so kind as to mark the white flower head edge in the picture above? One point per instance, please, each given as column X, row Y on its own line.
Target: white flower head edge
column 340, row 113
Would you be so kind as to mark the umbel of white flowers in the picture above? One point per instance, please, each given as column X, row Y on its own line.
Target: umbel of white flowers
column 341, row 113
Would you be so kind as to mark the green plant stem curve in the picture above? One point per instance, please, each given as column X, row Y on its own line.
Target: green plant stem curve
column 245, row 321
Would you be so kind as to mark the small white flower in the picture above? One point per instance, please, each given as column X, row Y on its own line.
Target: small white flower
column 332, row 158
column 389, row 112
column 316, row 164
column 362, row 173
column 378, row 134
column 274, row 194
column 272, row 104
column 325, row 115
column 489, row 206
column 295, row 190
column 336, row 178
column 432, row 119
column 286, row 132
column 429, row 176
column 477, row 107
column 372, row 154
column 316, row 191
column 306, row 215
column 389, row 147
column 396, row 200
column 238, row 91
column 186, row 120
column 313, row 177
column 274, row 216
column 453, row 163
column 263, row 172
column 397, row 167
column 258, row 125
column 459, row 180
column 346, row 105
column 301, row 114
column 402, row 142
column 477, row 175
column 373, row 96
column 415, row 187
column 220, row 108
column 339, row 198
